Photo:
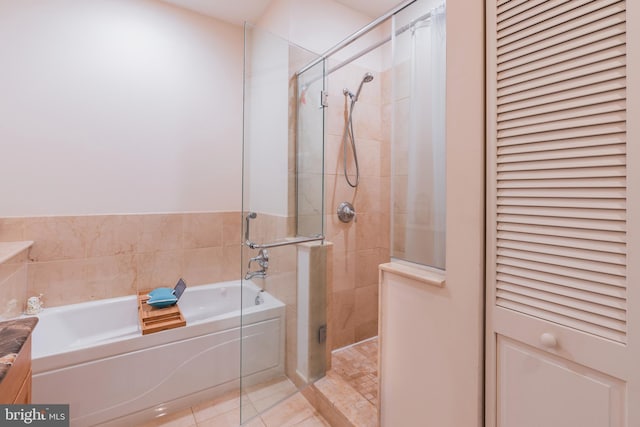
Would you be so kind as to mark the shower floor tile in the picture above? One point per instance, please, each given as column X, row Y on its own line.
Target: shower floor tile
column 348, row 394
column 357, row 365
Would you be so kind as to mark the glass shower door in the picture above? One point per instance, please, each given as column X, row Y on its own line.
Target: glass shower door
column 282, row 206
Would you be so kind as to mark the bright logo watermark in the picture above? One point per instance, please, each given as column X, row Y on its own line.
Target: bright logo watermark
column 34, row 415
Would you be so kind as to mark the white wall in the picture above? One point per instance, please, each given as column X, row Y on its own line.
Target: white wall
column 318, row 25
column 117, row 106
column 449, row 319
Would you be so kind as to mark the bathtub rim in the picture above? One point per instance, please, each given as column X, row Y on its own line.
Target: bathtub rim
column 59, row 360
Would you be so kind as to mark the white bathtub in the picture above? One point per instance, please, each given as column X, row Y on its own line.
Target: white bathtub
column 92, row 355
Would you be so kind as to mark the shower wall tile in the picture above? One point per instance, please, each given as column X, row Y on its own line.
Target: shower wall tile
column 366, row 304
column 232, row 266
column 81, row 258
column 369, row 157
column 157, row 269
column 11, row 229
column 13, row 286
column 367, row 267
column 111, row 276
column 61, row 282
column 112, row 235
column 56, row 238
column 368, row 195
column 202, row 230
column 366, row 330
column 203, row 266
column 336, row 115
column 384, row 186
column 343, row 317
column 231, row 228
column 342, row 235
column 367, row 231
column 366, row 121
column 160, row 232
column 333, row 154
column 344, row 270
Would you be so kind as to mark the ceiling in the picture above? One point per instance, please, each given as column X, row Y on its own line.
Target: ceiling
column 238, row 11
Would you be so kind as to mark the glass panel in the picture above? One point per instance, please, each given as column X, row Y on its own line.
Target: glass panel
column 310, row 151
column 282, row 183
column 418, row 149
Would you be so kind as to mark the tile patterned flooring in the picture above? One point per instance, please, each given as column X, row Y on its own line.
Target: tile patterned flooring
column 224, row 411
column 351, row 386
column 357, row 365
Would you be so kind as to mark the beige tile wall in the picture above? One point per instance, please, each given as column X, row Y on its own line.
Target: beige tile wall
column 13, row 286
column 360, row 246
column 81, row 258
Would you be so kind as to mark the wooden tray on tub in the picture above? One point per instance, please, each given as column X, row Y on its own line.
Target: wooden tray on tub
column 154, row 319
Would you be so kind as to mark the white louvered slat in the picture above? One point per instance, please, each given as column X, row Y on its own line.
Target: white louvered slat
column 600, row 50
column 560, row 270
column 610, row 182
column 514, row 7
column 559, row 232
column 580, row 59
column 561, row 163
column 557, row 221
column 555, row 240
column 594, row 172
column 547, row 55
column 567, row 153
column 512, row 86
column 608, row 307
column 583, row 315
column 563, row 114
column 566, row 87
column 560, row 283
column 563, row 212
column 564, row 193
column 542, row 12
column 564, row 144
column 539, row 31
column 564, row 95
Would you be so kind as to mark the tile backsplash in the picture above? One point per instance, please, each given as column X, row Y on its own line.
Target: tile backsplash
column 81, row 258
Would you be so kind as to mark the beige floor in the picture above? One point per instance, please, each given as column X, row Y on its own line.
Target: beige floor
column 351, row 386
column 224, row 411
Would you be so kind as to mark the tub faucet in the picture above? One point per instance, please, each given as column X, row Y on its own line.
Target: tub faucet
column 263, row 261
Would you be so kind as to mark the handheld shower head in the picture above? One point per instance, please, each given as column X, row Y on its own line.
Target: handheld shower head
column 365, row 79
column 354, row 97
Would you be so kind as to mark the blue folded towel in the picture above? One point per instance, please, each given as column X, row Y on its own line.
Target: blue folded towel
column 162, row 297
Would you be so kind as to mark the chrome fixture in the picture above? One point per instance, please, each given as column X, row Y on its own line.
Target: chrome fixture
column 354, row 98
column 348, row 131
column 259, row 298
column 250, row 216
column 253, row 245
column 346, row 212
column 263, row 261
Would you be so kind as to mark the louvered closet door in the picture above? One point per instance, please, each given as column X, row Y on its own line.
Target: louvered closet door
column 563, row 219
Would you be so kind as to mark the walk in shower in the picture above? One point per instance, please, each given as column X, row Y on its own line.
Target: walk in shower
column 344, row 169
